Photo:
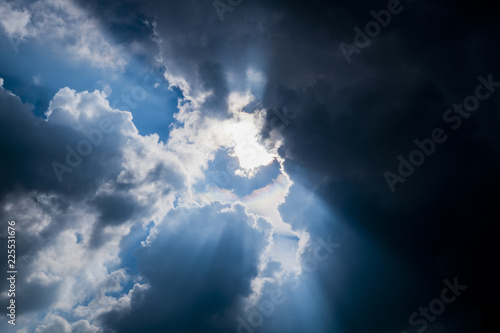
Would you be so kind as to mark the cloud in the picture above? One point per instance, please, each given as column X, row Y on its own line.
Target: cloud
column 14, row 21
column 37, row 80
column 352, row 121
column 54, row 323
column 60, row 23
column 70, row 255
column 199, row 268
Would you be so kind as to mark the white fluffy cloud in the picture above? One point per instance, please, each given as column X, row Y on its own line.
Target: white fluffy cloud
column 59, row 22
column 53, row 323
column 14, row 21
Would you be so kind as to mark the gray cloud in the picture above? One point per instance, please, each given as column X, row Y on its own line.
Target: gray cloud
column 197, row 271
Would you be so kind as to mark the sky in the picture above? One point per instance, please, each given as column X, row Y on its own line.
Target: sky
column 249, row 166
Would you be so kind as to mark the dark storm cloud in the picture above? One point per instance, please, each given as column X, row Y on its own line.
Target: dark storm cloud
column 197, row 271
column 27, row 147
column 195, row 46
column 213, row 80
column 352, row 121
column 114, row 209
column 30, row 144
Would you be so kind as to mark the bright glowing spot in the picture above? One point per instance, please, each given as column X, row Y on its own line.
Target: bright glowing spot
column 250, row 153
column 243, row 131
